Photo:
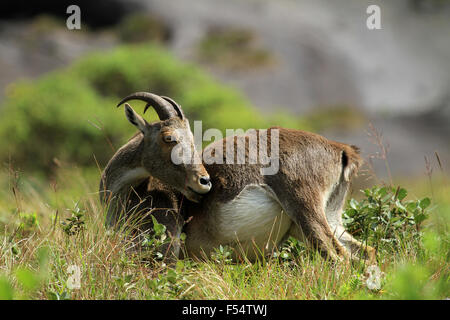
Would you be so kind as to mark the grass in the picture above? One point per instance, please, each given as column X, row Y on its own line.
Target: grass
column 37, row 251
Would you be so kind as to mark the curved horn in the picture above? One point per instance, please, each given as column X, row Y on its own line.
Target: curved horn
column 175, row 105
column 163, row 108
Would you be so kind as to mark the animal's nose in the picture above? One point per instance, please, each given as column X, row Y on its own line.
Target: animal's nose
column 202, row 184
column 205, row 181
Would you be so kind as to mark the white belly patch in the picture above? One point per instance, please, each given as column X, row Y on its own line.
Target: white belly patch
column 254, row 217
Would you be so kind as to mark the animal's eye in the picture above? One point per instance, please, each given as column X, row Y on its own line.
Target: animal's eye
column 169, row 138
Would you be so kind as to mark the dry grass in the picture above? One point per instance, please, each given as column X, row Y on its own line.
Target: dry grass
column 35, row 256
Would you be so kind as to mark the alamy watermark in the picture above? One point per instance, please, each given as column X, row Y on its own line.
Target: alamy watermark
column 74, row 279
column 373, row 281
column 73, row 22
column 373, row 21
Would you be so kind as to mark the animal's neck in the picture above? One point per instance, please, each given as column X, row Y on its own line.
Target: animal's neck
column 129, row 178
column 125, row 168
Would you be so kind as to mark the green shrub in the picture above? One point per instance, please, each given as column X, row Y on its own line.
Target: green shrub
column 237, row 49
column 143, row 27
column 49, row 119
column 143, row 68
column 131, row 68
column 384, row 218
column 70, row 114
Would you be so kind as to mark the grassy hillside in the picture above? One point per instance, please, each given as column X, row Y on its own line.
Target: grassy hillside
column 54, row 131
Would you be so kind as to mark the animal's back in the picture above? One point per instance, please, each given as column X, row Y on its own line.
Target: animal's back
column 243, row 207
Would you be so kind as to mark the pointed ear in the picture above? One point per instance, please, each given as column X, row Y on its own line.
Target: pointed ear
column 135, row 119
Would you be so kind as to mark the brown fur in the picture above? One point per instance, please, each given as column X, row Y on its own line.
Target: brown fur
column 309, row 165
column 310, row 187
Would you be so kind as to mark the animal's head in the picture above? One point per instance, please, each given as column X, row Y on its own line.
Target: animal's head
column 169, row 152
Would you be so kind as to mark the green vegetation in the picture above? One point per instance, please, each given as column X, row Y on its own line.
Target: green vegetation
column 66, row 229
column 237, row 49
column 384, row 219
column 339, row 116
column 70, row 115
column 142, row 28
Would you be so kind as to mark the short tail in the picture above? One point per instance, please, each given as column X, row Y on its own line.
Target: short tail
column 351, row 161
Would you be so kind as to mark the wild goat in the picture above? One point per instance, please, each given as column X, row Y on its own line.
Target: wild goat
column 131, row 180
column 245, row 209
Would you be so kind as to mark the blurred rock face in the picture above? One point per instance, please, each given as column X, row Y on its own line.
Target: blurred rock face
column 326, row 53
column 325, row 56
column 29, row 49
column 299, row 55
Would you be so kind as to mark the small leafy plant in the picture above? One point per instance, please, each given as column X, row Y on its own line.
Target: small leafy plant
column 384, row 217
column 222, row 254
column 28, row 222
column 153, row 242
column 169, row 282
column 75, row 223
column 291, row 249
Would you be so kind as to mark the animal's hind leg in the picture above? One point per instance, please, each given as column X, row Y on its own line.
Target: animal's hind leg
column 309, row 216
column 333, row 209
column 353, row 246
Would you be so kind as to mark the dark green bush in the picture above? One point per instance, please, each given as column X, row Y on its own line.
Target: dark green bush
column 384, row 218
column 143, row 68
column 70, row 114
column 49, row 118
